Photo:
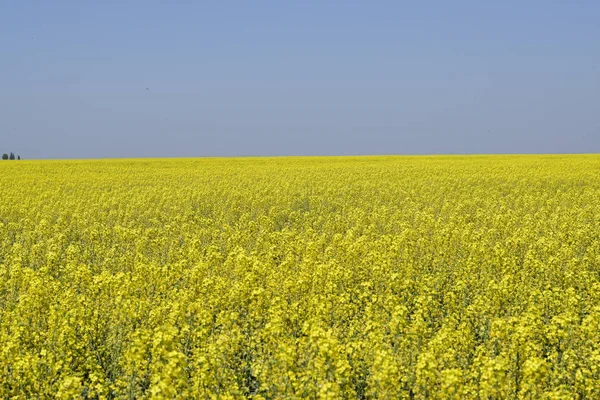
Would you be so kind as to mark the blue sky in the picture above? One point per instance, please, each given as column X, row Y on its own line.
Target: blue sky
column 87, row 79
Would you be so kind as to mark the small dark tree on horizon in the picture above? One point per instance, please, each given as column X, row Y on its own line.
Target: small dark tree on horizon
column 18, row 157
column 5, row 156
column 12, row 156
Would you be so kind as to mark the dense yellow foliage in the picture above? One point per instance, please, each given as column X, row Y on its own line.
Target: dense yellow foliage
column 372, row 277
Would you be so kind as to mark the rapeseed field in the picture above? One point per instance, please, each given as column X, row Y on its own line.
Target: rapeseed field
column 445, row 277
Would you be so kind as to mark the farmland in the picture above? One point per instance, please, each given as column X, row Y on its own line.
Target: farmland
column 323, row 277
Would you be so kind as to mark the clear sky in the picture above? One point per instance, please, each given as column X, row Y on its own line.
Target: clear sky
column 95, row 79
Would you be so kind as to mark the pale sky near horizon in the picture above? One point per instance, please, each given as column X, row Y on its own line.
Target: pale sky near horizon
column 88, row 79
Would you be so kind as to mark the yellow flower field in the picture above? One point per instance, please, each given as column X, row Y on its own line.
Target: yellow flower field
column 446, row 277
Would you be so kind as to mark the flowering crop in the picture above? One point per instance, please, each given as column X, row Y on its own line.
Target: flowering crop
column 343, row 277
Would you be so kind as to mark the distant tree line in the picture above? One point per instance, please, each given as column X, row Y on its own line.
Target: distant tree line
column 10, row 157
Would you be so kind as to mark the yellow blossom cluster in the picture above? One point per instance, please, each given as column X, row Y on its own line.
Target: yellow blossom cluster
column 446, row 277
